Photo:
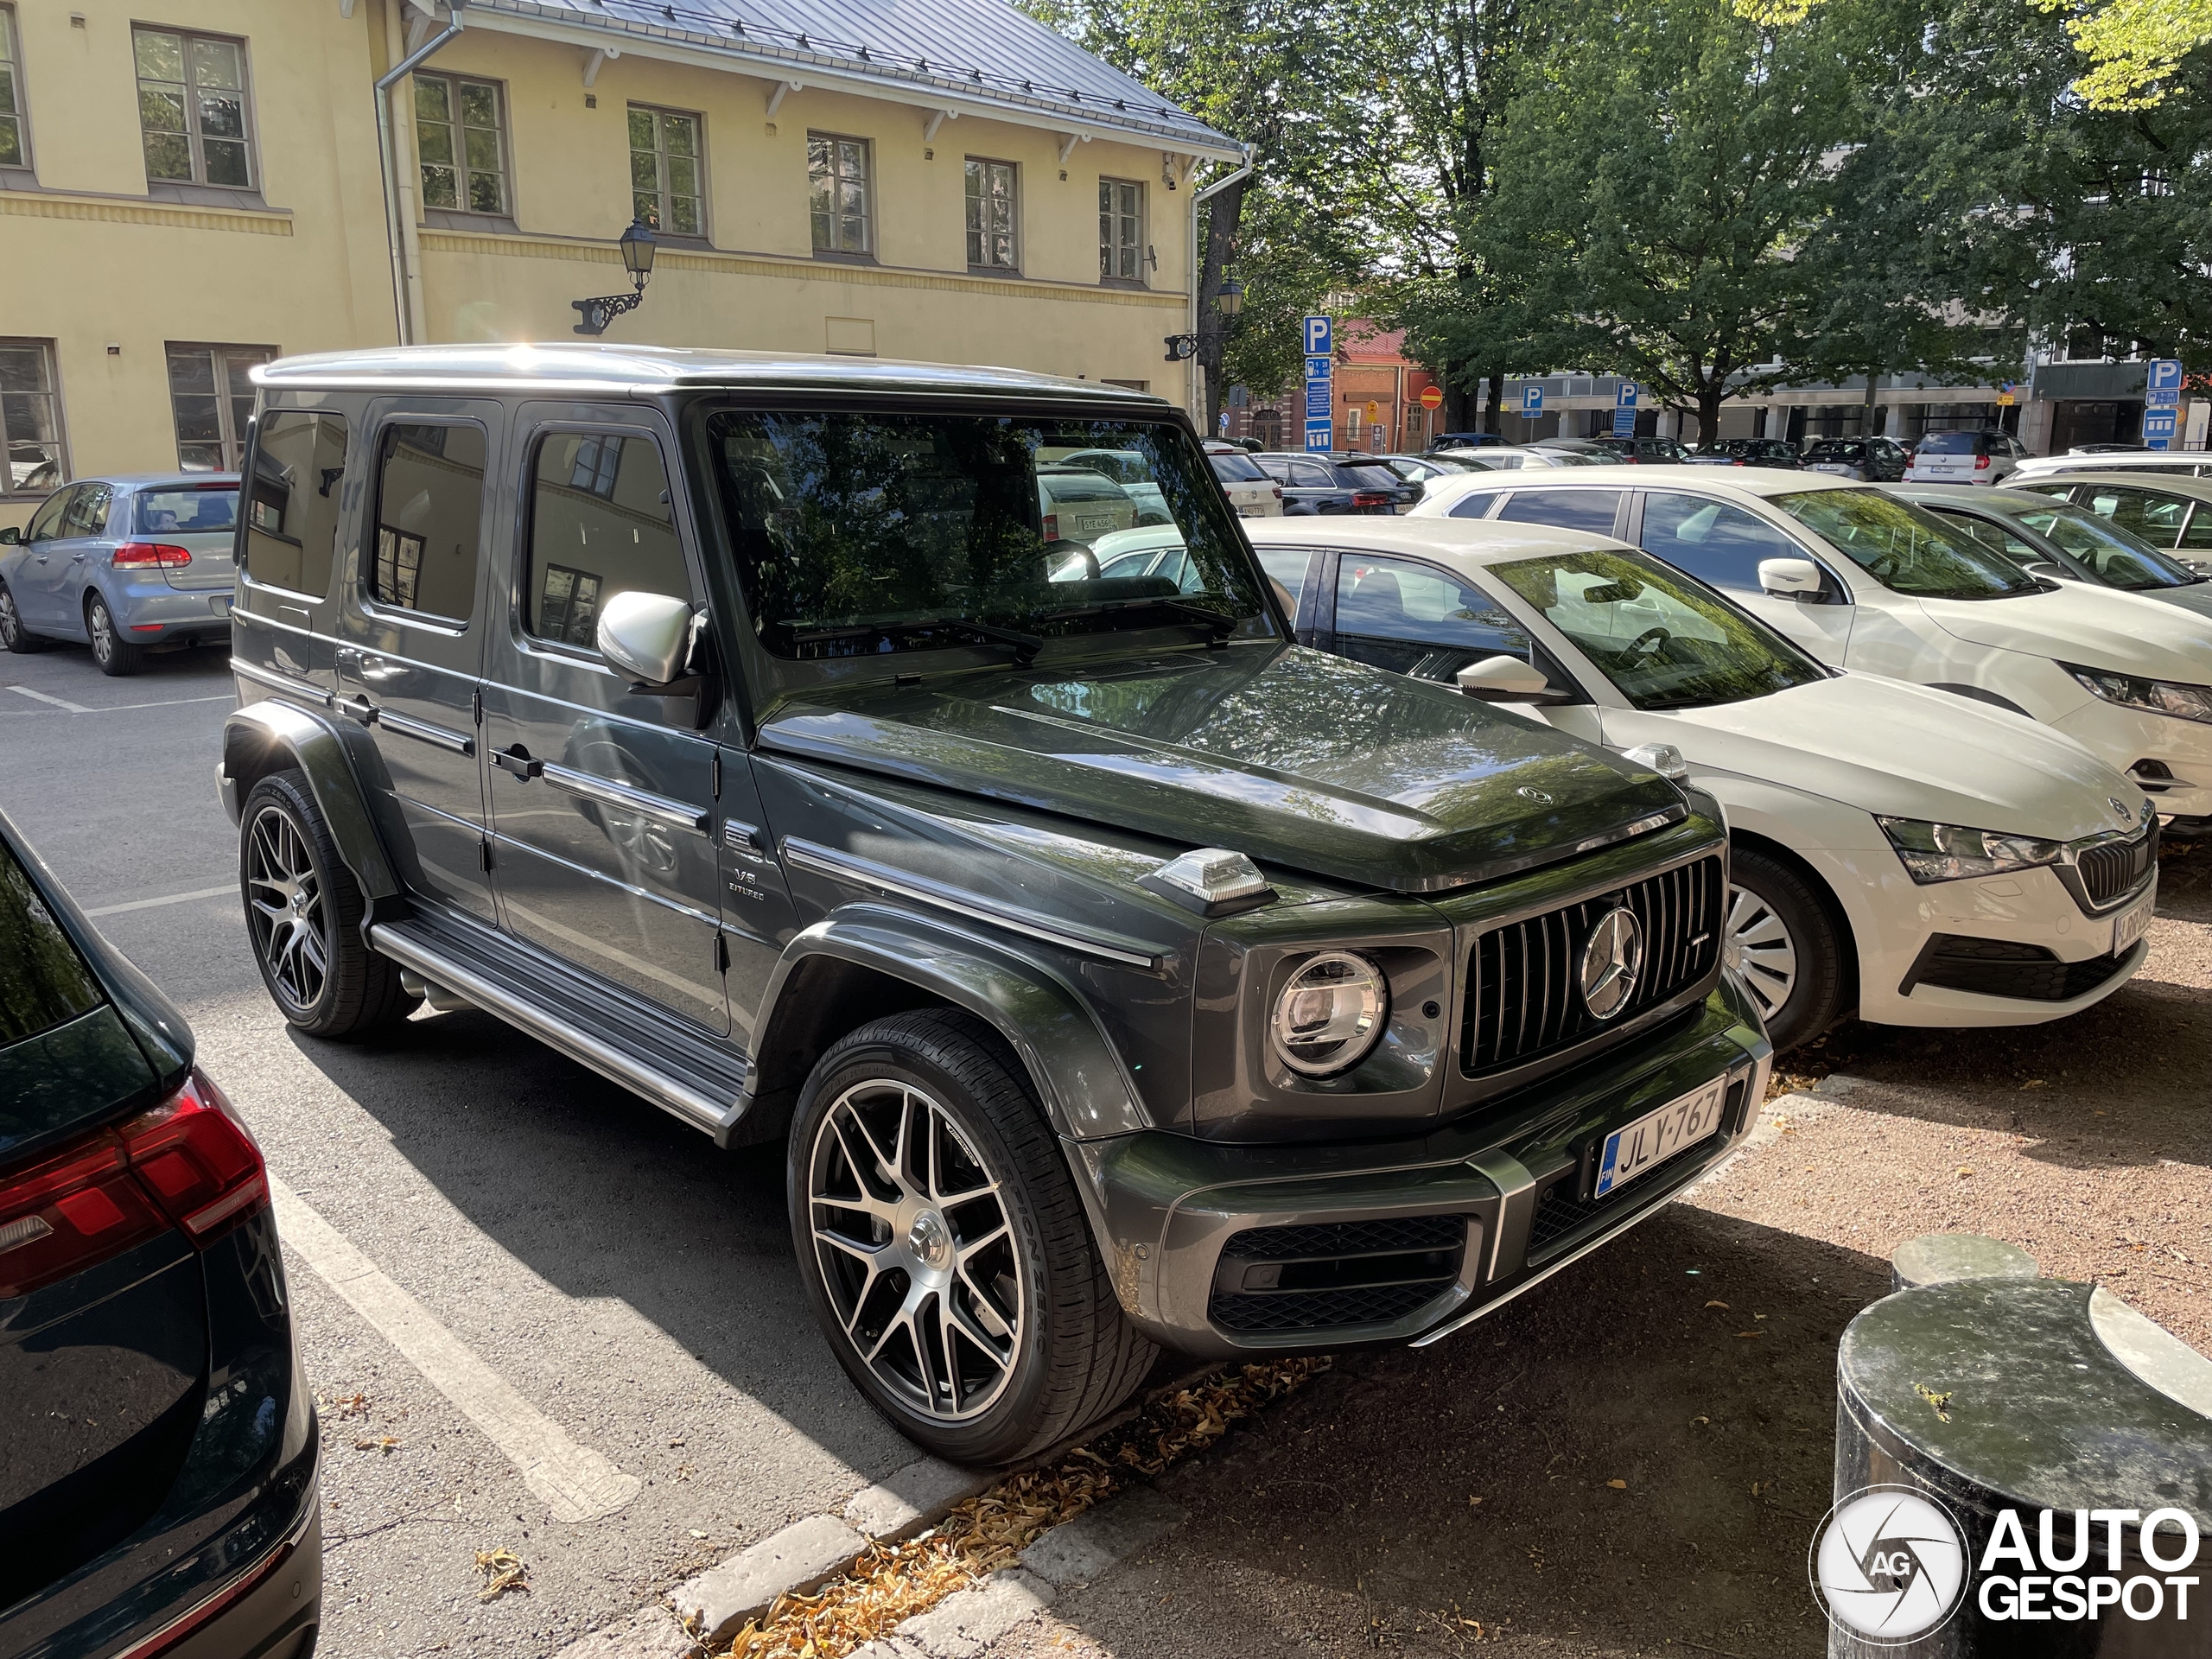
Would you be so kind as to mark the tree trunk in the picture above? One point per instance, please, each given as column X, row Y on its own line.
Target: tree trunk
column 1497, row 401
column 1223, row 215
column 1867, row 421
column 1710, row 396
column 1458, row 408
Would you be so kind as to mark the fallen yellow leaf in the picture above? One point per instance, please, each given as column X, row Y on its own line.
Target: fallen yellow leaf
column 1716, row 1303
column 1750, row 1333
column 1617, row 1485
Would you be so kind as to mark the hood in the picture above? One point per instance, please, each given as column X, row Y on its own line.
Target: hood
column 1299, row 759
column 1909, row 751
column 2097, row 627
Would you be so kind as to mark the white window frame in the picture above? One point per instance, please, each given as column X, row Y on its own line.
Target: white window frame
column 867, row 250
column 194, row 139
column 17, row 112
column 980, row 234
column 1110, row 245
column 230, row 431
column 51, row 393
column 663, row 196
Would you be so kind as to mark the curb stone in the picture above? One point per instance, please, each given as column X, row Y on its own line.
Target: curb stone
column 651, row 1632
column 803, row 1555
column 1084, row 1548
column 916, row 1496
column 968, row 1621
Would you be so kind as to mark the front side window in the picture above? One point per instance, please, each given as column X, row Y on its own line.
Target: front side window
column 2154, row 518
column 1663, row 641
column 599, row 524
column 837, row 192
column 211, row 398
column 990, row 215
column 46, row 522
column 1905, row 548
column 2110, row 554
column 15, row 149
column 459, row 142
column 292, row 497
column 1121, row 231
column 88, row 508
column 859, row 534
column 1591, row 510
column 191, row 108
column 430, row 507
column 665, row 188
column 1399, row 598
column 30, row 419
column 1713, row 541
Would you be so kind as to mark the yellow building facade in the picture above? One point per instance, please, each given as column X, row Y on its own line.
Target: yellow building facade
column 194, row 186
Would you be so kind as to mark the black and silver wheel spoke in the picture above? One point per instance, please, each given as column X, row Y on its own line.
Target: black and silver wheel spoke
column 285, row 907
column 915, row 1247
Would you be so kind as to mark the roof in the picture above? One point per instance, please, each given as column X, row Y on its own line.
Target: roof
column 1474, row 540
column 980, row 56
column 650, row 369
column 2135, row 477
column 159, row 480
column 1719, row 481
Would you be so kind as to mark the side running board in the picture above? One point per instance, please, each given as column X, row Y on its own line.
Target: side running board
column 451, row 965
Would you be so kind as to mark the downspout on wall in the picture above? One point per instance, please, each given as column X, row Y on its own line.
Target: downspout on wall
column 1193, row 396
column 398, row 198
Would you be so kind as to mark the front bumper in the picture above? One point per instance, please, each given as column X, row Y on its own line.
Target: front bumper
column 2180, row 784
column 1514, row 1175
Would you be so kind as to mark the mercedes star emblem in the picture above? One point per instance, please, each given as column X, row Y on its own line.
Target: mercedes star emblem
column 1612, row 962
column 1538, row 796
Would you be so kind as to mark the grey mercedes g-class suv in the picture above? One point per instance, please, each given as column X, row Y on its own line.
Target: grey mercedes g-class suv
column 1115, row 971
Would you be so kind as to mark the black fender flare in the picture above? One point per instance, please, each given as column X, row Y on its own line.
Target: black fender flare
column 271, row 734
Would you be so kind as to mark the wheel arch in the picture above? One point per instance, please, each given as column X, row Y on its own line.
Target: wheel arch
column 863, row 962
column 1824, row 893
column 271, row 736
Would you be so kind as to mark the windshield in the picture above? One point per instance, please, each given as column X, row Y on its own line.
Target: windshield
column 856, row 534
column 1831, row 449
column 1664, row 641
column 1906, row 549
column 2111, row 556
column 1236, row 469
column 187, row 512
column 1951, row 443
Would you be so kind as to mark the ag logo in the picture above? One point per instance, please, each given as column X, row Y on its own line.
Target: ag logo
column 1612, row 962
column 1889, row 1565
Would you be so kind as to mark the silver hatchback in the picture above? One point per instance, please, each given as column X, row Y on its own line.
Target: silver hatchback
column 126, row 565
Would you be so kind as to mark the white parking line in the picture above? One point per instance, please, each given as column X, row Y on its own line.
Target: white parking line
column 167, row 899
column 67, row 707
column 575, row 1483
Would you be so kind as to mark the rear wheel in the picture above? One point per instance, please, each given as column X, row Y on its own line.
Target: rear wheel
column 944, row 1247
column 13, row 635
column 1782, row 944
column 303, row 914
column 111, row 651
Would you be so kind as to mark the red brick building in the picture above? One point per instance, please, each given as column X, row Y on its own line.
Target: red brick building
column 1378, row 403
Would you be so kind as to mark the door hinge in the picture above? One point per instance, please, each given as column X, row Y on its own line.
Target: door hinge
column 476, row 704
column 718, row 774
column 722, row 954
column 484, row 855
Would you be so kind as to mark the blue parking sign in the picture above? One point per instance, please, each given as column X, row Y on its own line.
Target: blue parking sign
column 2159, row 428
column 1318, row 342
column 2162, row 374
column 1532, row 398
column 1625, row 397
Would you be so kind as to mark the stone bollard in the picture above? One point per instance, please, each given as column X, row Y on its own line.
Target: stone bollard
column 1938, row 1258
column 1972, row 1407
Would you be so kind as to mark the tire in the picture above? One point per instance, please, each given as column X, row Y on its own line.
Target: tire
column 303, row 918
column 1781, row 941
column 1037, row 1343
column 13, row 635
column 113, row 653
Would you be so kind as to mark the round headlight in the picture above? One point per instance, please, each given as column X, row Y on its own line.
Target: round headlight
column 1329, row 1014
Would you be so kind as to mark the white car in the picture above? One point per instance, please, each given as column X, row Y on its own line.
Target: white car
column 1251, row 491
column 1866, row 581
column 1506, row 457
column 1927, row 860
column 1964, row 458
column 2174, row 462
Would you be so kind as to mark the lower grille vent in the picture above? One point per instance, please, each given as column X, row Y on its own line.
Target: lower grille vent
column 1337, row 1275
column 2003, row 968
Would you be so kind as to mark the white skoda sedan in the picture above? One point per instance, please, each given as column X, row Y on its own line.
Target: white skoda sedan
column 1926, row 860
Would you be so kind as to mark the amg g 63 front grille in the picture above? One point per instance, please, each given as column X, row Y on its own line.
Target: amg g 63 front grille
column 1524, row 980
column 1332, row 1274
column 2112, row 869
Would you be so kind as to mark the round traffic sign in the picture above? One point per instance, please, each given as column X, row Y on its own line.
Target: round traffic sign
column 1432, row 398
column 1373, row 410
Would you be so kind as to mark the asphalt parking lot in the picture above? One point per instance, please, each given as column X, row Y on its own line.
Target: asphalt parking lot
column 1628, row 1461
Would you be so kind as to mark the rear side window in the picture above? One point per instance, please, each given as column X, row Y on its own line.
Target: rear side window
column 1373, row 478
column 292, row 494
column 1475, row 503
column 1236, row 469
column 1287, row 565
column 1591, row 510
column 1311, row 475
column 186, row 512
column 43, row 982
column 429, row 508
column 601, row 524
column 1710, row 540
column 1398, row 598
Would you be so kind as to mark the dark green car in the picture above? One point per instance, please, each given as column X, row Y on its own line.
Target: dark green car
column 1115, row 972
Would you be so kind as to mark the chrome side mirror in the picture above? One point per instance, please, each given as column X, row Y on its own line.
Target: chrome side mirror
column 1503, row 679
column 647, row 636
column 1791, row 578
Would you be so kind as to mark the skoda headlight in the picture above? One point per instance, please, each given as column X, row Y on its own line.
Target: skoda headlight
column 2156, row 697
column 1329, row 1014
column 1945, row 852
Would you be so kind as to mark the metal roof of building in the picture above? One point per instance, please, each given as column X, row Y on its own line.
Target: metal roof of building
column 980, row 56
column 566, row 367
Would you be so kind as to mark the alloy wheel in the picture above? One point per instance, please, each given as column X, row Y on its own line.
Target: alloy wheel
column 12, row 625
column 915, row 1247
column 285, row 908
column 103, row 631
column 1760, row 949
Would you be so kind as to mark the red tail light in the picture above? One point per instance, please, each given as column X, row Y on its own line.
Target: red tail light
column 1051, row 526
column 1277, row 491
column 1369, row 498
column 1980, row 461
column 167, row 554
column 188, row 1162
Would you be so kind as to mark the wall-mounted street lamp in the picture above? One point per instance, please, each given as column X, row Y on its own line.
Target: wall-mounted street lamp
column 1229, row 302
column 637, row 246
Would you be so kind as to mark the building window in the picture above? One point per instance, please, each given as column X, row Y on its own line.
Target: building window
column 191, row 108
column 990, row 215
column 665, row 158
column 212, row 398
column 457, row 141
column 30, row 419
column 837, row 182
column 1121, row 231
column 14, row 149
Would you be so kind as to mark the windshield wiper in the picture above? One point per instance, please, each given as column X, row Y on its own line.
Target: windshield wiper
column 1216, row 625
column 1024, row 646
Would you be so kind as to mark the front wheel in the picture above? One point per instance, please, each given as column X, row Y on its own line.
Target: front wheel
column 13, row 635
column 943, row 1245
column 1783, row 945
column 111, row 651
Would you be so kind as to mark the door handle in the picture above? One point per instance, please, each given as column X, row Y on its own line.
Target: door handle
column 516, row 762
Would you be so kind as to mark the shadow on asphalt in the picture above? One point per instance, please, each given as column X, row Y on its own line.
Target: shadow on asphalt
column 1347, row 1518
